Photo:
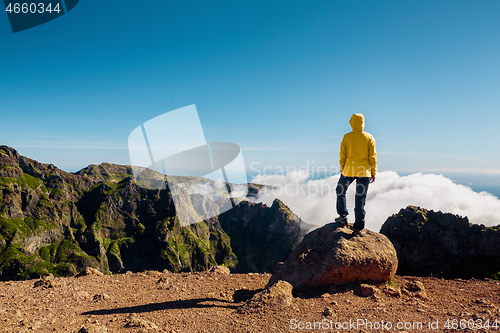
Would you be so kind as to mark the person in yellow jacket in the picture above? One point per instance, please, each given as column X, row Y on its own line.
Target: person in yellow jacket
column 358, row 161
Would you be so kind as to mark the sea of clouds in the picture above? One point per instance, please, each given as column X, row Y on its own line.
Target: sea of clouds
column 314, row 200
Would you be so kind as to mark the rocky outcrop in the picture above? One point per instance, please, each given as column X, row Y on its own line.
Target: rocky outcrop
column 440, row 244
column 143, row 231
column 332, row 254
column 262, row 236
column 31, row 244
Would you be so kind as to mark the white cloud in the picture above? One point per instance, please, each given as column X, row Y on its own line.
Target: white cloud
column 461, row 170
column 216, row 189
column 315, row 200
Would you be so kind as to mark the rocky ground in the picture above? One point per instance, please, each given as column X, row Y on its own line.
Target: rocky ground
column 215, row 302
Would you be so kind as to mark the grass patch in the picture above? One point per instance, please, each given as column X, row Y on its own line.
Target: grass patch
column 65, row 249
column 64, row 269
column 42, row 225
column 111, row 192
column 37, row 270
column 45, row 253
column 106, row 242
column 9, row 227
column 6, row 181
column 113, row 245
column 30, row 223
column 29, row 181
column 45, row 202
column 80, row 225
column 42, row 190
column 55, row 191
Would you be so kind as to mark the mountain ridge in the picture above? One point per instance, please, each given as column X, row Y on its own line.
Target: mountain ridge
column 52, row 221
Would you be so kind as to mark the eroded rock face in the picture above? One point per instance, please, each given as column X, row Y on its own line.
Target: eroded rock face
column 52, row 221
column 262, row 236
column 440, row 244
column 31, row 244
column 333, row 255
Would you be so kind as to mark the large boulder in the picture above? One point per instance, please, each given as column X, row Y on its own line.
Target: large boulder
column 440, row 244
column 332, row 254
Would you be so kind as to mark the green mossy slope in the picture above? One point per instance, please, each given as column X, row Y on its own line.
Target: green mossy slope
column 56, row 222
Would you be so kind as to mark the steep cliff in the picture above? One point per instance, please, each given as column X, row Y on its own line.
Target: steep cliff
column 262, row 236
column 52, row 221
column 56, row 222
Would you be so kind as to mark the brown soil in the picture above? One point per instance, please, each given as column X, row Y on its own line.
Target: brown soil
column 208, row 302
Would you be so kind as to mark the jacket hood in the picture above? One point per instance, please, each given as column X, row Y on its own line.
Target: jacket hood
column 357, row 122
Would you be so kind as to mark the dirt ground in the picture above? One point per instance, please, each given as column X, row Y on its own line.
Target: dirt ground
column 208, row 302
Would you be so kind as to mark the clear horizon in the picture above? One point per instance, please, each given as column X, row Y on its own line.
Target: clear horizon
column 477, row 180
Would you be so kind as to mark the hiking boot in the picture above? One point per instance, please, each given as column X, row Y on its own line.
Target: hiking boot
column 342, row 220
column 358, row 232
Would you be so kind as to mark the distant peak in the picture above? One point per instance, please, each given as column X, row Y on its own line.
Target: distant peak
column 9, row 151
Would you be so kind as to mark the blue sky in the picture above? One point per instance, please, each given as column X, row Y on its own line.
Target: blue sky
column 281, row 79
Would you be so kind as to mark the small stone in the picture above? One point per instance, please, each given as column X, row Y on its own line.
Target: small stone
column 277, row 296
column 367, row 290
column 415, row 289
column 49, row 282
column 36, row 325
column 220, row 270
column 415, row 286
column 83, row 294
column 90, row 271
column 328, row 312
column 392, row 291
column 101, row 297
column 163, row 279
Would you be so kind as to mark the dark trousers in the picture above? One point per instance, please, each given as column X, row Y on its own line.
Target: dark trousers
column 360, row 199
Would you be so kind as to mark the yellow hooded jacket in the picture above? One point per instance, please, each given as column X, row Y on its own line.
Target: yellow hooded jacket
column 358, row 156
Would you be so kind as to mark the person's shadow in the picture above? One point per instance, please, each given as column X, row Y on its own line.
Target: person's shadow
column 238, row 296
